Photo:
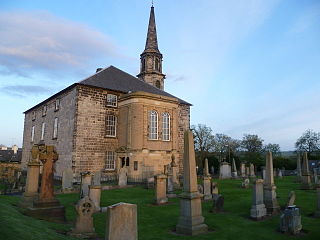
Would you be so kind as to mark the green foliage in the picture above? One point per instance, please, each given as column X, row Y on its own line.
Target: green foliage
column 287, row 163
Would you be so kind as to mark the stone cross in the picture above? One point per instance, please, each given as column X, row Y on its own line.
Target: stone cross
column 86, row 179
column 122, row 222
column 48, row 156
column 269, row 190
column 258, row 209
column 234, row 169
column 67, row 179
column 299, row 173
column 84, row 222
column 160, row 189
column 291, row 199
column 306, row 177
column 191, row 221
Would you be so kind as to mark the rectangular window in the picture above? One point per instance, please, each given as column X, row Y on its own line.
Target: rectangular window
column 153, row 125
column 44, row 110
column 110, row 160
column 135, row 165
column 165, row 126
column 32, row 133
column 55, row 128
column 57, row 105
column 33, row 115
column 111, row 100
column 43, row 130
column 111, row 122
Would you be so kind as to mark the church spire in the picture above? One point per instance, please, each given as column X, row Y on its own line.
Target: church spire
column 151, row 58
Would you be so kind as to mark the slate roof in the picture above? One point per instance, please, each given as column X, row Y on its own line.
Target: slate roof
column 9, row 156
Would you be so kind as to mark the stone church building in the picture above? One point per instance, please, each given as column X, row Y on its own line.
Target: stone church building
column 112, row 120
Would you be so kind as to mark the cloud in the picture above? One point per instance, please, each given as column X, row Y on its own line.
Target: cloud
column 25, row 90
column 40, row 41
column 176, row 78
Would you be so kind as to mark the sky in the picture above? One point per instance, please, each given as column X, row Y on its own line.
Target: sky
column 248, row 67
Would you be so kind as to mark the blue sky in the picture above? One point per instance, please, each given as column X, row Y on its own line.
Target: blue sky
column 250, row 66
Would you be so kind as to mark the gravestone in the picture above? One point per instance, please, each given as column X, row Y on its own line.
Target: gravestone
column 160, row 189
column 174, row 169
column 234, row 169
column 86, row 178
column 212, row 171
column 258, row 209
column 291, row 199
column 225, row 170
column 95, row 196
column 315, row 175
column 200, row 188
column 280, row 175
column 121, row 222
column 84, row 222
column 290, row 221
column 243, row 170
column 245, row 183
column 317, row 212
column 252, row 173
column 247, row 171
column 306, row 177
column 96, row 179
column 123, row 177
column 218, row 203
column 214, row 188
column 299, row 173
column 150, row 182
column 32, row 183
column 67, row 180
column 269, row 190
column 263, row 170
column 206, row 182
column 191, row 221
column 170, row 183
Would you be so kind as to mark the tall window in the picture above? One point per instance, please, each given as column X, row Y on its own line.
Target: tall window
column 33, row 115
column 111, row 122
column 57, row 104
column 153, row 125
column 32, row 133
column 112, row 100
column 157, row 65
column 44, row 110
column 55, row 128
column 110, row 160
column 43, row 130
column 166, row 126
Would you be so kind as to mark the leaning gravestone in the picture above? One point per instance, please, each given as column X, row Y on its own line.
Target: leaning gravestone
column 290, row 221
column 258, row 209
column 291, row 199
column 84, row 222
column 121, row 222
column 67, row 180
column 218, row 203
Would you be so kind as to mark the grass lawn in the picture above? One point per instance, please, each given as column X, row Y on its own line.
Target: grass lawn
column 157, row 222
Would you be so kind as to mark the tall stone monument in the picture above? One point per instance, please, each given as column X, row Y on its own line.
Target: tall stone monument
column 32, row 184
column 122, row 222
column 206, row 182
column 269, row 190
column 258, row 209
column 299, row 173
column 191, row 221
column 306, row 177
column 234, row 169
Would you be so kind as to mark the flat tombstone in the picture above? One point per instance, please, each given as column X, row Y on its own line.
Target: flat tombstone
column 121, row 222
column 67, row 179
column 218, row 203
column 96, row 179
column 291, row 199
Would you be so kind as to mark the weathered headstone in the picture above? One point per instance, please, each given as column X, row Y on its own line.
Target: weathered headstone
column 258, row 209
column 299, row 173
column 200, row 188
column 263, row 171
column 67, row 180
column 315, row 175
column 150, row 182
column 247, row 171
column 122, row 222
column 32, row 183
column 170, row 183
column 95, row 195
column 160, row 189
column 123, row 177
column 225, row 170
column 174, row 169
column 96, row 179
column 243, row 170
column 214, row 188
column 317, row 212
column 191, row 221
column 84, row 222
column 291, row 199
column 290, row 221
column 86, row 179
column 252, row 173
column 306, row 177
column 270, row 196
column 206, row 182
column 280, row 175
column 234, row 169
column 218, row 203
column 245, row 183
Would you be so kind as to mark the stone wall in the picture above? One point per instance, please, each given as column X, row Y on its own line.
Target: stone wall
column 64, row 141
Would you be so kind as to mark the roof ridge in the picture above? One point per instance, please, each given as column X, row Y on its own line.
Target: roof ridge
column 95, row 74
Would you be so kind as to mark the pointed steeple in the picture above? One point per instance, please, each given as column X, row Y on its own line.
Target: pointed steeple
column 152, row 42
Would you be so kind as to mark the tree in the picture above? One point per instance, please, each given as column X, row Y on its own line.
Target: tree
column 274, row 148
column 220, row 146
column 204, row 141
column 308, row 142
column 252, row 146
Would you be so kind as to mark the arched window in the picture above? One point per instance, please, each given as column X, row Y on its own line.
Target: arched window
column 153, row 125
column 158, row 85
column 157, row 66
column 165, row 126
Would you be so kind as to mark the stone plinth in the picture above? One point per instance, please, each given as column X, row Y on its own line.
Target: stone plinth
column 191, row 221
column 269, row 190
column 121, row 222
column 290, row 221
column 225, row 170
column 160, row 189
column 306, row 177
column 95, row 196
column 86, row 179
column 258, row 209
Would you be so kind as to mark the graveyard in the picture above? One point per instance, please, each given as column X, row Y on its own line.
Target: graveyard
column 158, row 222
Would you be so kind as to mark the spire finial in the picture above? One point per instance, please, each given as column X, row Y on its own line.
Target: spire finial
column 151, row 3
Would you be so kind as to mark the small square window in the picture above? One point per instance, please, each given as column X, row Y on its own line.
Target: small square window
column 57, row 104
column 111, row 100
column 44, row 110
